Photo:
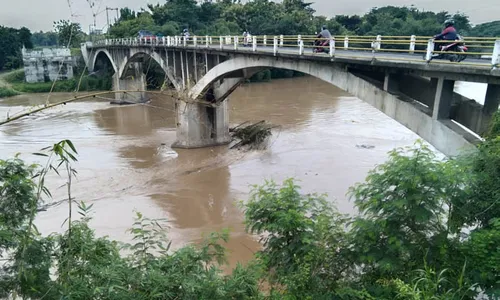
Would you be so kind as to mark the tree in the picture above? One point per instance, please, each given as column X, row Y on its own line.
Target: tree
column 13, row 40
column 25, row 37
column 68, row 34
column 402, row 208
column 41, row 39
column 490, row 29
column 303, row 238
column 126, row 14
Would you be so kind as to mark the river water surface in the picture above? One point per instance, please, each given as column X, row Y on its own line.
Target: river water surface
column 328, row 140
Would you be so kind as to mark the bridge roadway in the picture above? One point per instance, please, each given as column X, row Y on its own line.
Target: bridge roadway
column 414, row 91
column 356, row 54
column 415, row 63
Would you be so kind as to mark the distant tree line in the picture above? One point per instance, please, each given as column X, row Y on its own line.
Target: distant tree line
column 288, row 17
column 224, row 17
column 11, row 42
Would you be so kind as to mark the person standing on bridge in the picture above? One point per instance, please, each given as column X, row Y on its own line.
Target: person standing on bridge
column 246, row 38
column 185, row 33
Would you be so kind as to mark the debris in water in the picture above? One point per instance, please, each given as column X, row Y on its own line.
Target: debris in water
column 253, row 135
column 365, row 146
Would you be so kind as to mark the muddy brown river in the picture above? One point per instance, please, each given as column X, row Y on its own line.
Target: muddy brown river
column 328, row 140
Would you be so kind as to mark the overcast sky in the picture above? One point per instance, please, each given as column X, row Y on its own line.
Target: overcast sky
column 39, row 14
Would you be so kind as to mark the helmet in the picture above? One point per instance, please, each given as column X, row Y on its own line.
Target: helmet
column 185, row 30
column 449, row 22
column 323, row 27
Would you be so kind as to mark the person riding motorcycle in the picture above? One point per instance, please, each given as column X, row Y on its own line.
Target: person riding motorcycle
column 449, row 32
column 323, row 38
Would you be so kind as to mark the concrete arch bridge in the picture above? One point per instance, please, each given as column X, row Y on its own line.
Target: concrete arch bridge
column 405, row 84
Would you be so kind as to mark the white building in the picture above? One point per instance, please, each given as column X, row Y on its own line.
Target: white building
column 47, row 64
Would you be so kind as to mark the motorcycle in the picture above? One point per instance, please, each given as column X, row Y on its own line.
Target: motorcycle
column 457, row 47
column 321, row 46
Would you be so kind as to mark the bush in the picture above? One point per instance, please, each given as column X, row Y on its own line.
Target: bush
column 71, row 85
column 7, row 92
column 15, row 76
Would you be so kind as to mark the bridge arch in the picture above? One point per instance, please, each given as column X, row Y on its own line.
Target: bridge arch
column 122, row 69
column 101, row 53
column 324, row 71
column 435, row 131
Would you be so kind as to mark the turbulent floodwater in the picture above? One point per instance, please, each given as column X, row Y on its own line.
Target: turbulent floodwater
column 126, row 164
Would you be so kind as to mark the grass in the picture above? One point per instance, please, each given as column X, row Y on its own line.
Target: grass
column 7, row 92
column 16, row 80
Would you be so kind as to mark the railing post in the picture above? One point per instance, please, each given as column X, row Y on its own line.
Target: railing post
column 210, row 40
column 221, row 42
column 332, row 47
column 281, row 40
column 236, row 43
column 206, row 41
column 413, row 41
column 299, row 38
column 430, row 49
column 254, row 43
column 301, row 47
column 195, row 41
column 264, row 41
column 275, row 45
column 346, row 42
column 378, row 44
column 184, row 42
column 495, row 58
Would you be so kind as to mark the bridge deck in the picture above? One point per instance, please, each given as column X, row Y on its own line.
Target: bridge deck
column 472, row 69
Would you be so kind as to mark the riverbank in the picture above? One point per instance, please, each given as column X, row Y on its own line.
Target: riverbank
column 12, row 83
column 16, row 82
column 6, row 89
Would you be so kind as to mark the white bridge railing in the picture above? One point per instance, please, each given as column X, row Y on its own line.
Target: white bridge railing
column 337, row 46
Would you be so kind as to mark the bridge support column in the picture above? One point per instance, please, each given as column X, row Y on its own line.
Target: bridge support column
column 391, row 83
column 200, row 125
column 135, row 80
column 443, row 99
column 491, row 103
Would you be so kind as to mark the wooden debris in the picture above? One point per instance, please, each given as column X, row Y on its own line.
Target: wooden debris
column 252, row 136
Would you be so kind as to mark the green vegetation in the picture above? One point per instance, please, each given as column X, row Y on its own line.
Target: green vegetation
column 68, row 34
column 289, row 17
column 87, row 83
column 7, row 92
column 490, row 29
column 426, row 229
column 11, row 42
column 44, row 39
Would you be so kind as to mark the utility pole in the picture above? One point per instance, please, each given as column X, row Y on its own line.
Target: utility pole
column 107, row 14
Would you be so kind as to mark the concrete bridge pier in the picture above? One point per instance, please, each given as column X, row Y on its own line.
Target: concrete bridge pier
column 491, row 103
column 201, row 125
column 443, row 99
column 133, row 80
column 205, row 122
